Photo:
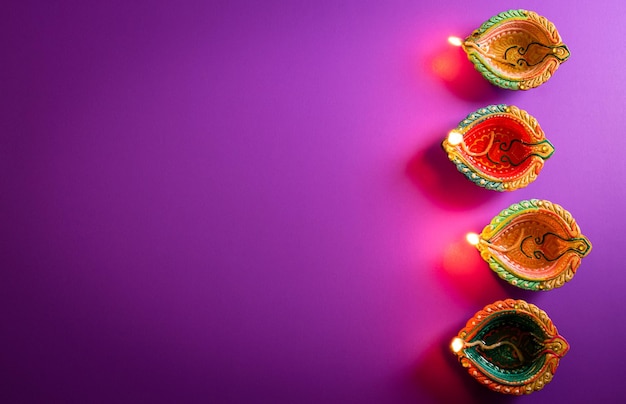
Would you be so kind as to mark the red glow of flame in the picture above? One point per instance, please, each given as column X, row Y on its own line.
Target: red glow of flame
column 447, row 65
column 461, row 258
column 465, row 271
column 451, row 66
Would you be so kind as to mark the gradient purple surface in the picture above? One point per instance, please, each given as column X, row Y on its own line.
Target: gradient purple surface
column 246, row 202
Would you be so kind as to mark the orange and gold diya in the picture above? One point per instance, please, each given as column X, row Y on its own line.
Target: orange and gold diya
column 511, row 347
column 499, row 147
column 533, row 244
column 516, row 49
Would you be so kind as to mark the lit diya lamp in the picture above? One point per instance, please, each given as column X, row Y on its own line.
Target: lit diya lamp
column 534, row 245
column 499, row 147
column 516, row 49
column 511, row 347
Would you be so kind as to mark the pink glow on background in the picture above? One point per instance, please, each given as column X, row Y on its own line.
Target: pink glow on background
column 248, row 202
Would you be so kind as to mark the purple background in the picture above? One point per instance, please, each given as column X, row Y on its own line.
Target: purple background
column 247, row 201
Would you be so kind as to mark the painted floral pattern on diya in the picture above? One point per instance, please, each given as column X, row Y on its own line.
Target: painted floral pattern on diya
column 511, row 347
column 499, row 147
column 516, row 49
column 534, row 244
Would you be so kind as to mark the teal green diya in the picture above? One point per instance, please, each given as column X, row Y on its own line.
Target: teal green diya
column 511, row 347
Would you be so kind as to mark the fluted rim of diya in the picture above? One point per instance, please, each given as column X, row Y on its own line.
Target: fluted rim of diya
column 511, row 347
column 499, row 147
column 533, row 244
column 516, row 49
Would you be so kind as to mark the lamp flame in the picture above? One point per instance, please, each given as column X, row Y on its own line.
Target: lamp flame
column 457, row 344
column 455, row 138
column 472, row 238
column 455, row 41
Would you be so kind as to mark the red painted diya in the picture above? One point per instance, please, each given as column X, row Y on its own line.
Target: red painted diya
column 511, row 347
column 534, row 245
column 499, row 147
column 516, row 49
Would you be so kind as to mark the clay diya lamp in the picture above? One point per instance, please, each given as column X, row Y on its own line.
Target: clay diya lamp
column 511, row 347
column 516, row 49
column 499, row 147
column 534, row 245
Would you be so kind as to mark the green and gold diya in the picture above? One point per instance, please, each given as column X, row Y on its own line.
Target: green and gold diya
column 516, row 49
column 533, row 244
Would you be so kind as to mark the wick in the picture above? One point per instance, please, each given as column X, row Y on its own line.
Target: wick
column 503, row 249
column 484, row 152
column 486, row 347
column 480, row 50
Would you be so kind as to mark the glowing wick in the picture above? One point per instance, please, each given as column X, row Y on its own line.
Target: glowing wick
column 455, row 138
column 455, row 40
column 457, row 344
column 472, row 238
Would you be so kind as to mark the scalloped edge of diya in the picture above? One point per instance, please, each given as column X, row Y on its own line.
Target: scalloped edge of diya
column 556, row 250
column 467, row 344
column 516, row 49
column 525, row 131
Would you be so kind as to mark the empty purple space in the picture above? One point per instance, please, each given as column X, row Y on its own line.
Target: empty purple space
column 213, row 201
